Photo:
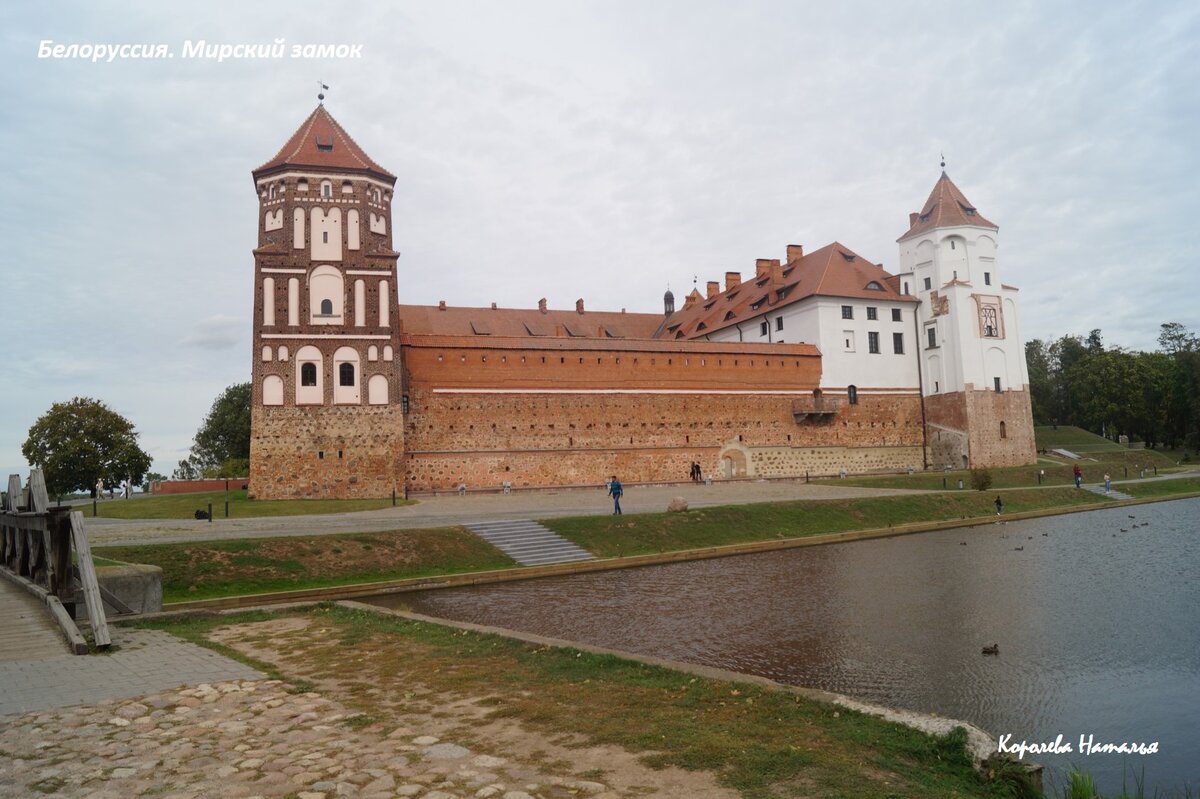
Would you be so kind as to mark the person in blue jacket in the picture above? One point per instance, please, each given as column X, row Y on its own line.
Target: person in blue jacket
column 615, row 491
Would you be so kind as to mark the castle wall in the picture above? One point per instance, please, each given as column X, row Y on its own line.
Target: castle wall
column 336, row 451
column 484, row 415
column 967, row 423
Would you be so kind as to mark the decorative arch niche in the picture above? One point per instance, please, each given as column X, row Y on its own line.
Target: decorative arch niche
column 347, row 377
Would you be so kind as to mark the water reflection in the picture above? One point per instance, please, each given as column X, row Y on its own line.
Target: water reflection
column 1097, row 628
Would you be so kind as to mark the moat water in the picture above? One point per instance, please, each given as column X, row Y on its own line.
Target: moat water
column 1098, row 629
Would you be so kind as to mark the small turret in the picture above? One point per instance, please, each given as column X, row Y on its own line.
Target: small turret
column 668, row 303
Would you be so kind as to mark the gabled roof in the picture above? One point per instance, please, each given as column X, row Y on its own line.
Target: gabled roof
column 833, row 271
column 526, row 323
column 321, row 143
column 947, row 206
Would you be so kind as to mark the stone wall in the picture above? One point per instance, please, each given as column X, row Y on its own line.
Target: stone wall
column 795, row 461
column 1015, row 446
column 342, row 451
column 968, row 423
column 536, row 438
column 194, row 486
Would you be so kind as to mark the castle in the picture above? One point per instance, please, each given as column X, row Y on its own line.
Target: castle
column 820, row 362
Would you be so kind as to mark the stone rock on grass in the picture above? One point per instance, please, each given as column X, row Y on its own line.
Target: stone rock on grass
column 445, row 752
column 677, row 505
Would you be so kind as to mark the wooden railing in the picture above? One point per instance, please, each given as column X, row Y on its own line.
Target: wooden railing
column 35, row 545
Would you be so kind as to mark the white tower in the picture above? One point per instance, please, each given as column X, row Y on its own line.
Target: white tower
column 974, row 379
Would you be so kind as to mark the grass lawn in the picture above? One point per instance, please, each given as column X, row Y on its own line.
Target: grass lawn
column 184, row 506
column 202, row 570
column 1059, row 471
column 645, row 533
column 759, row 741
column 1161, row 488
column 1075, row 439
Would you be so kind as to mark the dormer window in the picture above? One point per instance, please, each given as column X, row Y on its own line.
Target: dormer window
column 873, row 286
column 325, row 145
column 849, row 258
column 754, row 306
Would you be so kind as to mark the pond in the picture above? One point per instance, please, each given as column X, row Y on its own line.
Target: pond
column 1096, row 616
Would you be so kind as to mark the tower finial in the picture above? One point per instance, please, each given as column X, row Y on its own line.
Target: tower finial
column 321, row 92
column 943, row 161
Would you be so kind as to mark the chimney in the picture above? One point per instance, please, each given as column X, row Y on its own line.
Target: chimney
column 761, row 267
column 776, row 270
column 691, row 299
column 579, row 305
column 795, row 252
column 912, row 218
column 493, row 306
column 732, row 280
column 714, row 288
column 441, row 305
column 542, row 305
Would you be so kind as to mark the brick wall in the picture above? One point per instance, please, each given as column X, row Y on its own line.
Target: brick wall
column 194, row 486
column 968, row 423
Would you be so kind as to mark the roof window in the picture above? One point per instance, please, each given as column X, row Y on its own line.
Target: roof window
column 754, row 306
column 848, row 256
column 873, row 286
column 968, row 210
column 702, row 326
column 325, row 146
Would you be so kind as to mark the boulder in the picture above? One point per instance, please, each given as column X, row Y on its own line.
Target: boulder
column 678, row 505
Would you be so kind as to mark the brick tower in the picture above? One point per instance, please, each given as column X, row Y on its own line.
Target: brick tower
column 974, row 380
column 325, row 415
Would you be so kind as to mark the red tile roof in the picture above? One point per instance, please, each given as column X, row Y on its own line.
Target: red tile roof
column 832, row 271
column 526, row 323
column 321, row 143
column 946, row 206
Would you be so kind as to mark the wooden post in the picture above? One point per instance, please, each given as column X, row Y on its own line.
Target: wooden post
column 91, row 586
column 39, row 500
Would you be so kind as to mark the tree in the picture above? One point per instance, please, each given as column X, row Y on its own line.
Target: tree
column 79, row 442
column 225, row 433
column 186, row 470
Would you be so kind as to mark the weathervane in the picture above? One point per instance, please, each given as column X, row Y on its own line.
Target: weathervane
column 943, row 152
column 321, row 93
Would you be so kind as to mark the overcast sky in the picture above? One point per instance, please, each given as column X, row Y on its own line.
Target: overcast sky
column 576, row 149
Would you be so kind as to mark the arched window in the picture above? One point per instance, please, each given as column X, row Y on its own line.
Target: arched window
column 852, row 394
column 309, row 376
column 346, row 391
column 1003, row 430
column 326, row 296
column 326, row 189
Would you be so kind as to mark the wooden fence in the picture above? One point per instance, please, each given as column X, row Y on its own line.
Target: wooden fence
column 35, row 544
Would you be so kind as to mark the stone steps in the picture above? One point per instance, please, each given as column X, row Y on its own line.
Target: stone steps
column 1099, row 489
column 528, row 542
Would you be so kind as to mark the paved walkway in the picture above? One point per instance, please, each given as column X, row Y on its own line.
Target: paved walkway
column 144, row 661
column 27, row 630
column 446, row 510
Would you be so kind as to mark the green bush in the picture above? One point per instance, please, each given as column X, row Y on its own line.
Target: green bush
column 981, row 479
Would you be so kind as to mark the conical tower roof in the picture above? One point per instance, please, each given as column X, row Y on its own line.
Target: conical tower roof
column 947, row 206
column 321, row 144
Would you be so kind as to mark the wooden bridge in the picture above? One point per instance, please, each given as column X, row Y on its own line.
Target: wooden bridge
column 37, row 568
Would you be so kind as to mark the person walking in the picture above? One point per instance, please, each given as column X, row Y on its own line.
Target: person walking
column 999, row 505
column 1078, row 476
column 1107, row 483
column 615, row 491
